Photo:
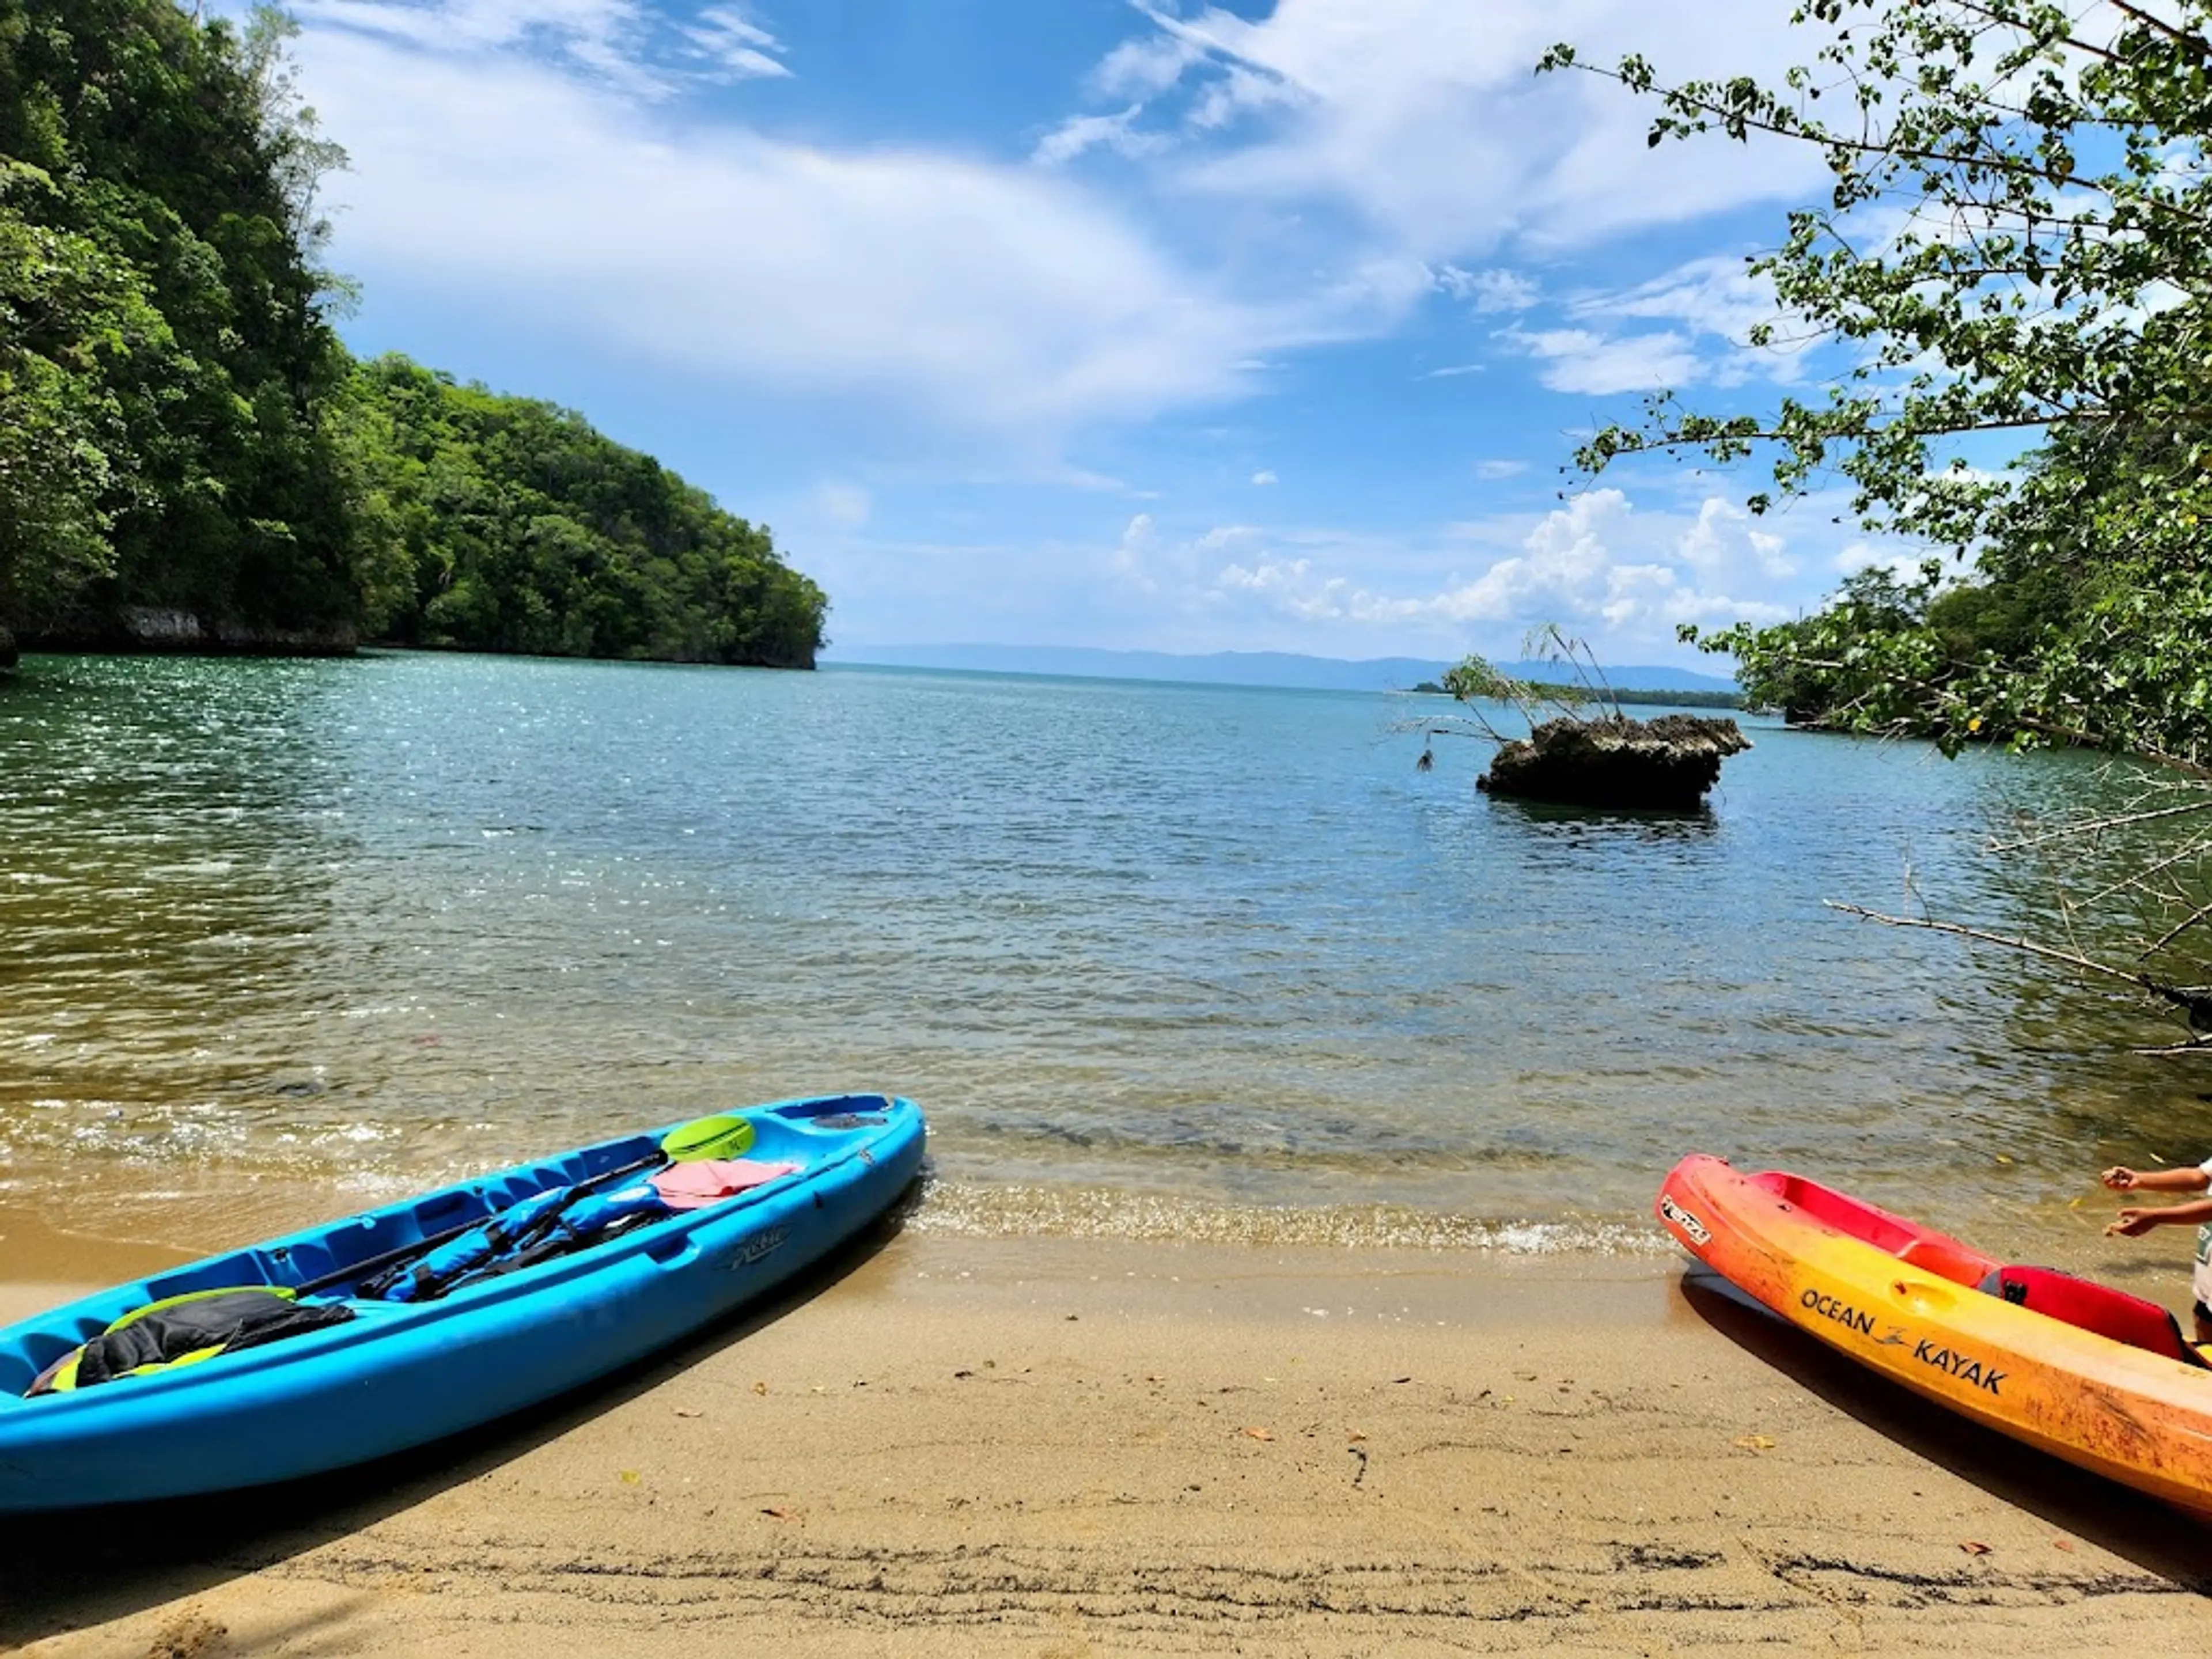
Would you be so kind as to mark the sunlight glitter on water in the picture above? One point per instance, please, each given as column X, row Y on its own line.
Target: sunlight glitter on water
column 1158, row 959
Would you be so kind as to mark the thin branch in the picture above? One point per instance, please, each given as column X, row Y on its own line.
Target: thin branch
column 2093, row 826
column 2140, row 878
column 2196, row 1003
column 2175, row 932
column 1996, row 162
column 2196, row 43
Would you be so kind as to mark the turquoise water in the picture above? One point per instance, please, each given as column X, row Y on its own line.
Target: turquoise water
column 1158, row 959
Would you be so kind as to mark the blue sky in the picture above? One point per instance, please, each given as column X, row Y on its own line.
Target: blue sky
column 1178, row 327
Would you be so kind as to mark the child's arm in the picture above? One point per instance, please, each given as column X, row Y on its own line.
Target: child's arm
column 2189, row 1179
column 2134, row 1224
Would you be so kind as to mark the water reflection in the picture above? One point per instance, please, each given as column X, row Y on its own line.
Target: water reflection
column 1548, row 822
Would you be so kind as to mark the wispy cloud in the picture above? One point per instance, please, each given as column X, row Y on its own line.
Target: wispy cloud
column 526, row 184
column 1486, row 291
column 1432, row 134
column 1586, row 361
column 736, row 45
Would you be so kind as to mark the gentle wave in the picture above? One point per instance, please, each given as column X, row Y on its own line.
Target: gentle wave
column 976, row 1211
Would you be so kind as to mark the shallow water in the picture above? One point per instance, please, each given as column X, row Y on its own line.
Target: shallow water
column 1159, row 960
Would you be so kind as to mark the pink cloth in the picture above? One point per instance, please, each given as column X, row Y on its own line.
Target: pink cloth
column 691, row 1186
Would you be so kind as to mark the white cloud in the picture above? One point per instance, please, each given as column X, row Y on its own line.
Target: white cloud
column 1585, row 360
column 1263, row 476
column 1145, row 66
column 1717, row 294
column 530, row 161
column 1905, row 565
column 1079, row 133
column 526, row 189
column 1489, row 290
column 1139, row 540
column 1728, row 541
column 845, row 506
column 1426, row 125
column 740, row 48
column 1499, row 469
column 1598, row 567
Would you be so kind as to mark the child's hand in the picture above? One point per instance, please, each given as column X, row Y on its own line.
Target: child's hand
column 2132, row 1223
column 2119, row 1178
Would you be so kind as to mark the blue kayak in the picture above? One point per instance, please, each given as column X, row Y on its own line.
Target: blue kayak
column 388, row 1374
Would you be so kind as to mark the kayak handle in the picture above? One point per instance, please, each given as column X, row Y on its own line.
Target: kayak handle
column 376, row 1263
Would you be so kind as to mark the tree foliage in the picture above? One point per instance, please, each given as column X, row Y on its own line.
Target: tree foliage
column 2016, row 249
column 169, row 323
column 501, row 524
column 180, row 426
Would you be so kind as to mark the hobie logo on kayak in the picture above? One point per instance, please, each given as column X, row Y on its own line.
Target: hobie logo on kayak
column 1681, row 1218
column 759, row 1247
column 1957, row 1364
column 1841, row 1312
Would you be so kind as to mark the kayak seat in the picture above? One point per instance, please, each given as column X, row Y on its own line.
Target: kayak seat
column 2089, row 1306
column 1945, row 1259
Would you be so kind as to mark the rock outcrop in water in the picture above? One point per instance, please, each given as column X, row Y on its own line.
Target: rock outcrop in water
column 1669, row 762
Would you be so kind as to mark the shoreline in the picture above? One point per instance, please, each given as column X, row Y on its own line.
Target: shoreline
column 957, row 1445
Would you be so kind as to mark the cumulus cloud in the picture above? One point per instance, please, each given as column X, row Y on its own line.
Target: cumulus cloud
column 1622, row 577
column 1714, row 303
column 1139, row 538
column 1263, row 476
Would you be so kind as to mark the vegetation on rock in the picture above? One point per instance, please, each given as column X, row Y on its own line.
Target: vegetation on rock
column 1603, row 759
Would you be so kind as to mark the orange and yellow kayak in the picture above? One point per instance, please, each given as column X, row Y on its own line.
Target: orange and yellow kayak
column 2094, row 1375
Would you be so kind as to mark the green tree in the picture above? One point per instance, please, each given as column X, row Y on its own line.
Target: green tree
column 2017, row 241
column 165, row 337
column 504, row 523
column 73, row 316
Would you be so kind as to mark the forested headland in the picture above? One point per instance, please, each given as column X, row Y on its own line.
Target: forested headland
column 189, row 455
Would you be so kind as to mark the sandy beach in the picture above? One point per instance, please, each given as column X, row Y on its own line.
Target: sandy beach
column 1053, row 1448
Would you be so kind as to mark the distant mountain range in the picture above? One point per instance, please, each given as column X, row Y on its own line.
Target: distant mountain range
column 1279, row 668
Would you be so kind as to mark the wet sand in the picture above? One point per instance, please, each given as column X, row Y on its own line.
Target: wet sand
column 961, row 1446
